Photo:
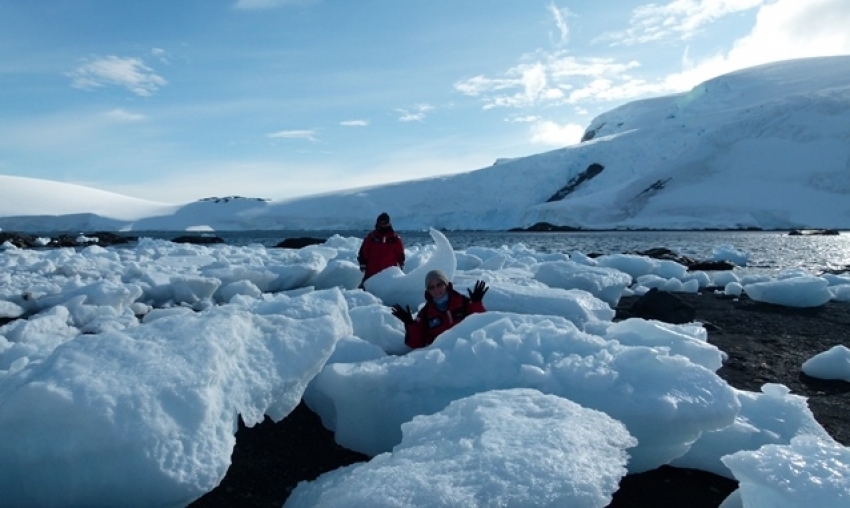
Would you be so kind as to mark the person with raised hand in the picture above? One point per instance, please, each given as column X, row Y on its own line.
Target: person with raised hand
column 444, row 308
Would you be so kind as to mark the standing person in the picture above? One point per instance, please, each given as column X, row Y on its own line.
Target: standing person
column 444, row 308
column 381, row 249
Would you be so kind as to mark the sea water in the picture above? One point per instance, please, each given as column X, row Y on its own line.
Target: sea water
column 768, row 252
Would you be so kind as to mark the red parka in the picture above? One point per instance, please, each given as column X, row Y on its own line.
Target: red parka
column 380, row 250
column 431, row 321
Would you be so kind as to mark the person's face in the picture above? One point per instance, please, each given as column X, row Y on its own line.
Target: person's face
column 382, row 225
column 436, row 288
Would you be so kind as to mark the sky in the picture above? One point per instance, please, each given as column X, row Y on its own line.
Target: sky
column 130, row 366
column 280, row 98
column 762, row 148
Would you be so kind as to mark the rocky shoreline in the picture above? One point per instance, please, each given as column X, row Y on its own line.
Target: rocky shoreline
column 765, row 343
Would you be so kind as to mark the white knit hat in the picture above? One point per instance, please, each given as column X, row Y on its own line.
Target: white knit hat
column 435, row 275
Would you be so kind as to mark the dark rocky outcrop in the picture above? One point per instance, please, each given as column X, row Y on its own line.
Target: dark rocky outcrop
column 544, row 226
column 101, row 238
column 655, row 187
column 298, row 242
column 665, row 253
column 590, row 133
column 813, row 232
column 198, row 239
column 227, row 199
column 19, row 240
column 585, row 176
column 691, row 263
column 837, row 271
column 711, row 266
column 662, row 306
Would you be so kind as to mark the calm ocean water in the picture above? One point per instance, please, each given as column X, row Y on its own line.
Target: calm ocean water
column 768, row 251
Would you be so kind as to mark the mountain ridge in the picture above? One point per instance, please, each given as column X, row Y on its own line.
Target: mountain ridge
column 759, row 148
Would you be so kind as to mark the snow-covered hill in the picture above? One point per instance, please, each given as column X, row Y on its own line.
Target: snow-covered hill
column 766, row 147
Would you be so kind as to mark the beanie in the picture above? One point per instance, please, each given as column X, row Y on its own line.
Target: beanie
column 435, row 275
column 383, row 217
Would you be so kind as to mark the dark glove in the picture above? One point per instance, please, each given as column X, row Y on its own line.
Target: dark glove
column 403, row 314
column 477, row 294
column 362, row 268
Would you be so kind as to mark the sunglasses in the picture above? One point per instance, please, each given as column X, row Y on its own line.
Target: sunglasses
column 436, row 285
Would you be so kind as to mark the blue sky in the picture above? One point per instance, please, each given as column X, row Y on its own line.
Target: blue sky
column 176, row 101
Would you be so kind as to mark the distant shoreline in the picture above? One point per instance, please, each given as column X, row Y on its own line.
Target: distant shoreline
column 530, row 229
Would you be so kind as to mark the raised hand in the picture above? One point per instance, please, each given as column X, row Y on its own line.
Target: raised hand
column 477, row 294
column 403, row 314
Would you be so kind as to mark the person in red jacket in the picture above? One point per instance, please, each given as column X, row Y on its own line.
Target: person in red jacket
column 381, row 249
column 444, row 308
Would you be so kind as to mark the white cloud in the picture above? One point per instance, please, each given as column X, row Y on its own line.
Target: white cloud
column 417, row 114
column 130, row 73
column 480, row 85
column 678, row 19
column 560, row 18
column 555, row 79
column 308, row 134
column 354, row 123
column 122, row 115
column 524, row 119
column 785, row 29
column 561, row 66
column 791, row 29
column 547, row 132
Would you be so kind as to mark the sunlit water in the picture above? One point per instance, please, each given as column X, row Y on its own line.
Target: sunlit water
column 769, row 252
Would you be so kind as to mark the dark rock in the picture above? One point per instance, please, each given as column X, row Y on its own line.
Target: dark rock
column 64, row 240
column 692, row 264
column 199, row 240
column 585, row 176
column 711, row 266
column 105, row 238
column 298, row 242
column 591, row 132
column 813, row 232
column 19, row 240
column 545, row 226
column 101, row 238
column 663, row 306
column 668, row 254
column 837, row 271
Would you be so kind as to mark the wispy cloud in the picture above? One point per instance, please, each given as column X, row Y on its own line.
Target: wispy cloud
column 122, row 115
column 555, row 79
column 416, row 114
column 560, row 17
column 308, row 134
column 524, row 119
column 160, row 55
column 130, row 73
column 679, row 19
column 783, row 29
column 269, row 4
column 354, row 123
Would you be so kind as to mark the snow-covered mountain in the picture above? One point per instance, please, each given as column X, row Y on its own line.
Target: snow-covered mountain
column 766, row 147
